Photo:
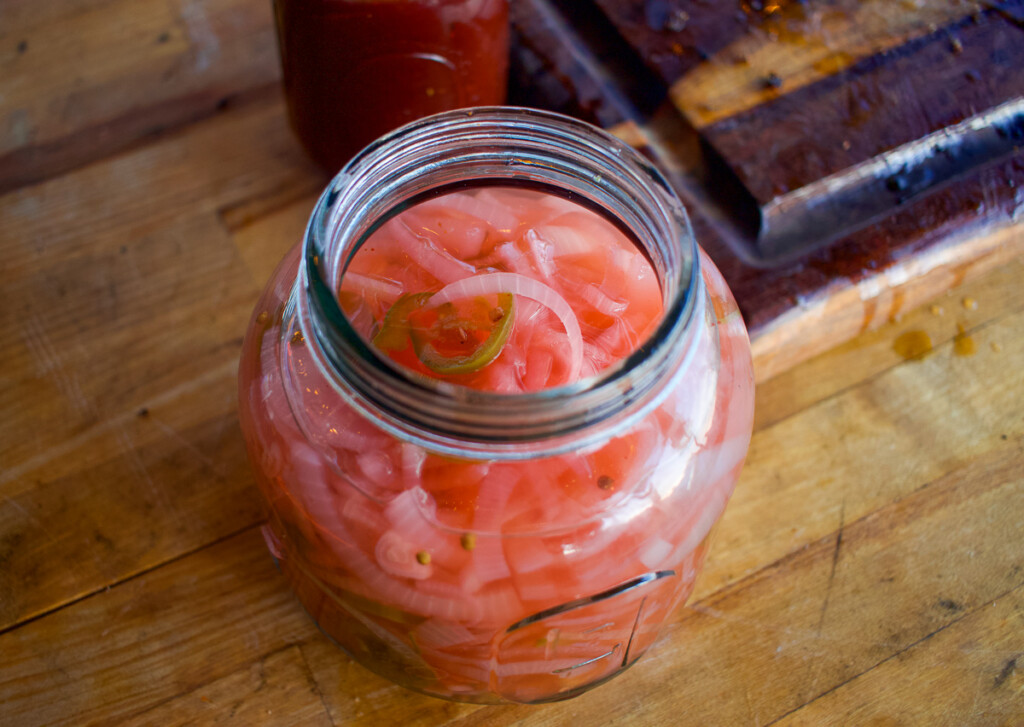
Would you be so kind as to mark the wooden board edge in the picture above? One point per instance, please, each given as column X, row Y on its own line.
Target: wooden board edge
column 839, row 312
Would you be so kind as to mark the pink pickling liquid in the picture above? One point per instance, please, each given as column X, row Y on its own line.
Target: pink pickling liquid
column 522, row 580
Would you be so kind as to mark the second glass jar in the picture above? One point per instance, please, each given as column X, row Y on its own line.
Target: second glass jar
column 356, row 69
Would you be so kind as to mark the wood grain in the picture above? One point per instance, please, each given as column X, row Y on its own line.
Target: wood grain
column 276, row 689
column 151, row 639
column 717, row 56
column 119, row 353
column 868, row 569
column 837, row 311
column 966, row 673
column 882, row 440
column 961, row 311
column 92, row 78
column 872, row 107
column 801, row 44
column 263, row 241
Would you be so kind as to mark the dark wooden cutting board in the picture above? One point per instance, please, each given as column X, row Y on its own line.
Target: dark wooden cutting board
column 842, row 160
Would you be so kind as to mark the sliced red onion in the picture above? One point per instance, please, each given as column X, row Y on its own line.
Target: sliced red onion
column 513, row 259
column 565, row 240
column 540, row 251
column 520, row 285
column 413, row 457
column 397, row 557
column 365, row 285
column 438, row 634
column 426, row 254
column 480, row 207
column 594, row 296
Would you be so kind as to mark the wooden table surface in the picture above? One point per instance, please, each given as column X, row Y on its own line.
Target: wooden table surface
column 869, row 570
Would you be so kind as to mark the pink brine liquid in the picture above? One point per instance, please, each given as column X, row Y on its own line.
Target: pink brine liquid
column 523, row 580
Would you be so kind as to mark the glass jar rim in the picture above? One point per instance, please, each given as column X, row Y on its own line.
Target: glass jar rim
column 494, row 145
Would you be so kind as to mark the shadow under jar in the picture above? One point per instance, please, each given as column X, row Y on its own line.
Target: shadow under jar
column 495, row 400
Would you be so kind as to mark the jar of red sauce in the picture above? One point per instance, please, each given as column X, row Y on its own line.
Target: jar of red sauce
column 496, row 400
column 356, row 69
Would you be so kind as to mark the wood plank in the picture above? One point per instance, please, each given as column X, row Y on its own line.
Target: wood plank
column 128, row 220
column 143, row 491
column 135, row 307
column 873, row 107
column 151, row 639
column 882, row 440
column 837, row 311
column 674, row 38
column 829, row 158
column 960, row 312
column 93, row 335
column 86, row 275
column 276, row 689
column 96, row 77
column 718, row 55
column 29, row 13
column 801, row 44
column 968, row 672
column 262, row 242
column 151, row 648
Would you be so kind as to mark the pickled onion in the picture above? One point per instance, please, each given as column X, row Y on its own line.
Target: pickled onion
column 367, row 285
column 486, row 210
column 424, row 252
column 492, row 283
column 397, row 557
column 539, row 249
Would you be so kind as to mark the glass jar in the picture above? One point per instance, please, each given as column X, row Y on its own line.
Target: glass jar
column 480, row 546
column 356, row 69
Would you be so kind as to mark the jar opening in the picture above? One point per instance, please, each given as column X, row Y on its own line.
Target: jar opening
column 492, row 148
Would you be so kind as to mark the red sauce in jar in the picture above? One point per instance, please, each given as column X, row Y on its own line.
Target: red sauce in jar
column 356, row 69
